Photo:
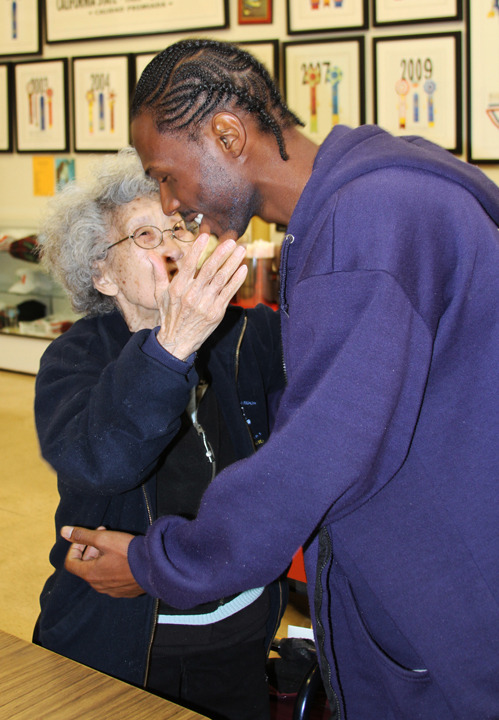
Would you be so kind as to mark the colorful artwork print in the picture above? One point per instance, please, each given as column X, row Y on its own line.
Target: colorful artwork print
column 321, row 83
column 416, row 87
column 317, row 4
column 416, row 94
column 19, row 31
column 101, row 99
column 407, row 11
column 39, row 100
column 318, row 15
column 41, row 106
column 492, row 109
column 254, row 11
column 101, row 103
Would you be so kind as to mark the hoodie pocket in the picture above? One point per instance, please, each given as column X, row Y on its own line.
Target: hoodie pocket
column 387, row 665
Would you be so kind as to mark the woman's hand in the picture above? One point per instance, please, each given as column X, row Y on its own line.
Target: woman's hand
column 194, row 302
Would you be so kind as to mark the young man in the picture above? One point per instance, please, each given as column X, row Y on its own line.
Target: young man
column 384, row 457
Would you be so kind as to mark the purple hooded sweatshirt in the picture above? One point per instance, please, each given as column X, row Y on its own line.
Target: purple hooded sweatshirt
column 384, row 459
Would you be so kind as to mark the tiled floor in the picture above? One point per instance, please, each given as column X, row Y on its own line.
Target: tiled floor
column 28, row 499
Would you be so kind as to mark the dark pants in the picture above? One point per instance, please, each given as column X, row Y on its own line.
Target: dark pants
column 227, row 684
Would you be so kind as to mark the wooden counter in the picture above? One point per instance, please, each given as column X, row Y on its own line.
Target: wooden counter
column 38, row 684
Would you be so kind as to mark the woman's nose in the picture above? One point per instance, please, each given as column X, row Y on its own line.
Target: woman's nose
column 169, row 202
column 169, row 248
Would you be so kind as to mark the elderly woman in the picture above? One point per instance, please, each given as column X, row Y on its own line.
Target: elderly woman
column 137, row 406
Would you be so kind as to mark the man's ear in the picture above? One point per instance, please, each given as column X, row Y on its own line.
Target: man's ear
column 103, row 282
column 229, row 132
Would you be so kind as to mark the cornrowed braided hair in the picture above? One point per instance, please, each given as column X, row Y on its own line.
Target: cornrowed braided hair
column 195, row 78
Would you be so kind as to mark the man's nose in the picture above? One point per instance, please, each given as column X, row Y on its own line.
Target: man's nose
column 169, row 202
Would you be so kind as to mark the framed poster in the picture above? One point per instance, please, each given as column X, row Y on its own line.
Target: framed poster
column 101, row 103
column 267, row 52
column 5, row 107
column 483, row 81
column 326, row 15
column 417, row 87
column 20, row 27
column 41, row 106
column 90, row 20
column 324, row 83
column 392, row 12
column 254, row 11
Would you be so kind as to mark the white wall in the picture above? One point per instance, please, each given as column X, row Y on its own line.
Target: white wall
column 20, row 208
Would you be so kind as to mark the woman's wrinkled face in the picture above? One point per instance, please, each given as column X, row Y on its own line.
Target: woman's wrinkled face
column 127, row 273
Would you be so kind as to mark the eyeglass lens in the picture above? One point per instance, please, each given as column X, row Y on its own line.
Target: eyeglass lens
column 148, row 237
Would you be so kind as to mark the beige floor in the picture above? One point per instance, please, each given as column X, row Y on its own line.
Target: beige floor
column 28, row 499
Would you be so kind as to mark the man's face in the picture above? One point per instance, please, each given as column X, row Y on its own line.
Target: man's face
column 196, row 177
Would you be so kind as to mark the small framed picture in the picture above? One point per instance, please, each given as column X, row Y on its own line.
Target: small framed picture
column 20, row 28
column 267, row 52
column 393, row 12
column 41, row 100
column 254, row 11
column 324, row 83
column 483, row 82
column 308, row 16
column 5, row 107
column 417, row 87
column 101, row 103
column 67, row 20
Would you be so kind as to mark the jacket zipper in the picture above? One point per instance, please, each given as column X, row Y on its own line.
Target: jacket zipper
column 196, row 397
column 283, row 271
column 278, row 620
column 324, row 559
column 192, row 409
column 156, row 600
column 236, row 369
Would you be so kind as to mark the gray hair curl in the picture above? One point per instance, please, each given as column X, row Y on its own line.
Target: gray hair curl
column 75, row 230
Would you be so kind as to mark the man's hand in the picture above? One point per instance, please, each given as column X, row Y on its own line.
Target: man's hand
column 100, row 558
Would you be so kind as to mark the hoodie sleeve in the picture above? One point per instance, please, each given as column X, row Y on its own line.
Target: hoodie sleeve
column 106, row 409
column 361, row 355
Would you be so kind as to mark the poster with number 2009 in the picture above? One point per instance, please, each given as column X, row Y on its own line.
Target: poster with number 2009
column 417, row 87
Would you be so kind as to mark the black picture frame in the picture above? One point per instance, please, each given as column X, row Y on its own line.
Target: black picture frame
column 408, row 71
column 20, row 28
column 250, row 14
column 453, row 12
column 482, row 63
column 6, row 106
column 65, row 22
column 102, row 86
column 314, row 17
column 327, row 76
column 41, row 106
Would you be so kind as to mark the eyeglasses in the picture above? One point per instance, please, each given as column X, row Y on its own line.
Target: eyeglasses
column 149, row 237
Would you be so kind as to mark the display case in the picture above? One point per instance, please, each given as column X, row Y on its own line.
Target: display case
column 33, row 308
